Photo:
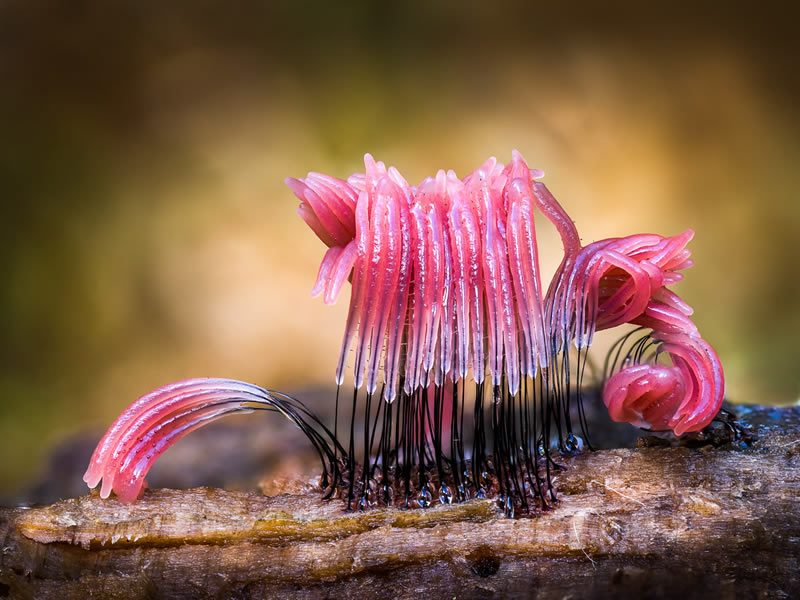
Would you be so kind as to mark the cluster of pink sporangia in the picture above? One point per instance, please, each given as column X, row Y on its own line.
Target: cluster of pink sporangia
column 156, row 421
column 437, row 267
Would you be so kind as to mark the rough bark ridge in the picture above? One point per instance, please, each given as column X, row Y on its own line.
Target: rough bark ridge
column 654, row 522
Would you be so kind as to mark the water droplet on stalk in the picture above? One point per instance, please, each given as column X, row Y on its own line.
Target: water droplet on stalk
column 573, row 445
column 445, row 496
column 424, row 497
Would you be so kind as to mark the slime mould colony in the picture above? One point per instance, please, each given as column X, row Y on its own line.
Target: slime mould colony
column 447, row 295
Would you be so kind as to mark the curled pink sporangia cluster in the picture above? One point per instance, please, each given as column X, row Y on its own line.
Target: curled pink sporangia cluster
column 439, row 267
column 446, row 284
column 153, row 423
column 159, row 419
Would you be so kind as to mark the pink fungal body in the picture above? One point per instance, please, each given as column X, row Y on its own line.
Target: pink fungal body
column 159, row 419
column 446, row 286
column 473, row 272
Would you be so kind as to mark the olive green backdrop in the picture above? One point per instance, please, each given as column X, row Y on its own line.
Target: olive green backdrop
column 147, row 235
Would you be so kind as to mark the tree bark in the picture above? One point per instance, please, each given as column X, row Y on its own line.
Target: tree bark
column 656, row 522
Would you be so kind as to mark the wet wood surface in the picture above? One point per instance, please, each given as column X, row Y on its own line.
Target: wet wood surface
column 657, row 522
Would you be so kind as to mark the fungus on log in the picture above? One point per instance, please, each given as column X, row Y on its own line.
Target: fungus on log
column 651, row 521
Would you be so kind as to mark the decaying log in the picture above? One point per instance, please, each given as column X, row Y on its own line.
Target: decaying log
column 656, row 522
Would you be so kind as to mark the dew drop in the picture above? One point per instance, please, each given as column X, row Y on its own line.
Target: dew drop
column 445, row 496
column 387, row 494
column 541, row 450
column 424, row 497
column 573, row 445
column 463, row 493
column 509, row 508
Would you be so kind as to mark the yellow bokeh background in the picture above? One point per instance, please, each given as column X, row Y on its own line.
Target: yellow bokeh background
column 147, row 234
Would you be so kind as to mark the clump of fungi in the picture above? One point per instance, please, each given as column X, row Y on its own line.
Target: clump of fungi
column 447, row 295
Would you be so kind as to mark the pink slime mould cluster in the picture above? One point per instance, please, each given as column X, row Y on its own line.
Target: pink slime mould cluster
column 446, row 284
column 451, row 261
column 159, row 419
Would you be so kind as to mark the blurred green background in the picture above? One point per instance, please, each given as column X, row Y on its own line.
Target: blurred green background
column 147, row 235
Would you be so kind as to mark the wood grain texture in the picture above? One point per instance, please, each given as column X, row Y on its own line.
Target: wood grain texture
column 657, row 522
